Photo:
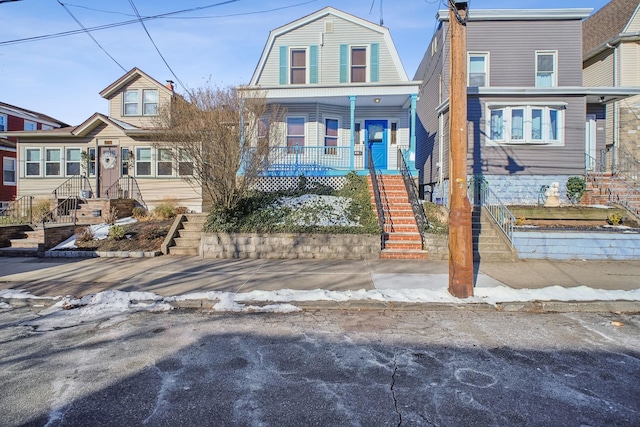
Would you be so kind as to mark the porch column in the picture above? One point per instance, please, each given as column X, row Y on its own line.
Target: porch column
column 241, row 170
column 352, row 106
column 412, row 137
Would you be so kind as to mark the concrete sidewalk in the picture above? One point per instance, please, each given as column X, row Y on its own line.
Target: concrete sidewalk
column 171, row 276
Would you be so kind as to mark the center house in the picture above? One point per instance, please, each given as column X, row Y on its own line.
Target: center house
column 345, row 93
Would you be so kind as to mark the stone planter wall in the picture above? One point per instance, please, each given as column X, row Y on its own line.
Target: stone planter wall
column 289, row 246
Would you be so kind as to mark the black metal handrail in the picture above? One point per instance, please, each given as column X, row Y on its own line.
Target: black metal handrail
column 376, row 194
column 625, row 194
column 19, row 211
column 66, row 212
column 414, row 198
column 76, row 186
column 481, row 195
column 126, row 187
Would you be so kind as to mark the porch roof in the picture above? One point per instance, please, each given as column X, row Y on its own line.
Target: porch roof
column 594, row 95
column 395, row 95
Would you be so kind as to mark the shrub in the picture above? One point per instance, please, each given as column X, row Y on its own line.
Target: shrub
column 138, row 212
column 111, row 216
column 84, row 234
column 39, row 210
column 576, row 187
column 437, row 220
column 116, row 232
column 165, row 210
column 614, row 218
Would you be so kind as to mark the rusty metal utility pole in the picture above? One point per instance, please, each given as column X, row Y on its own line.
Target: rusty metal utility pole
column 460, row 241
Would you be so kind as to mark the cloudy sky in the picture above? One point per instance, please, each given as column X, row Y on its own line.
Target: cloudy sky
column 218, row 42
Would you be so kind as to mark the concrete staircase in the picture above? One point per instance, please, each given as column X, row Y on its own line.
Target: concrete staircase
column 184, row 237
column 600, row 186
column 86, row 209
column 402, row 239
column 27, row 243
column 489, row 242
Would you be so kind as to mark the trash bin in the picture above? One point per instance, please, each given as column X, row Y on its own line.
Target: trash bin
column 85, row 194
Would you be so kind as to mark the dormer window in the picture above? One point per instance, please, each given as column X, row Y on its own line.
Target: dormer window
column 133, row 100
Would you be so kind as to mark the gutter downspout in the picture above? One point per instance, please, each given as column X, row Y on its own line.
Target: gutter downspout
column 616, row 131
column 412, row 137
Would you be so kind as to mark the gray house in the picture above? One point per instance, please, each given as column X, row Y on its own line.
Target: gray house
column 527, row 104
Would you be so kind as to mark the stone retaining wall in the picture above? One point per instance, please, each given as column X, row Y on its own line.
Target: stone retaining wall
column 289, row 246
column 562, row 245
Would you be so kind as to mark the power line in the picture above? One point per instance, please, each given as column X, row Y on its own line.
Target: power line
column 135, row 9
column 91, row 35
column 113, row 25
column 168, row 15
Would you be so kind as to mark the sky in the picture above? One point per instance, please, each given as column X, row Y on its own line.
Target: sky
column 217, row 44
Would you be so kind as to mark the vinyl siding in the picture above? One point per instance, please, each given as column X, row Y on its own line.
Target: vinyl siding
column 344, row 32
column 116, row 105
column 634, row 24
column 527, row 159
column 512, row 47
column 629, row 61
column 598, row 71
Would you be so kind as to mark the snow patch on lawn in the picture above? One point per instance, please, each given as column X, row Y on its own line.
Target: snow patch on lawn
column 100, row 232
column 314, row 209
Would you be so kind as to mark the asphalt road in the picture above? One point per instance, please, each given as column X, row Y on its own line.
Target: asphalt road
column 456, row 367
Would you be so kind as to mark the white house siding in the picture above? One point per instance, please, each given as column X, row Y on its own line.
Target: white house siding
column 629, row 60
column 116, row 105
column 344, row 32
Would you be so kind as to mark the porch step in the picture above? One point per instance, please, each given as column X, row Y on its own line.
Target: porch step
column 24, row 243
column 404, row 254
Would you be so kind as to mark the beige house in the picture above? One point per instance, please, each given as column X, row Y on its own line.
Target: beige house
column 110, row 156
column 611, row 55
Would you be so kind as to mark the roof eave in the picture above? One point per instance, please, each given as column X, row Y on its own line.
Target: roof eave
column 520, row 14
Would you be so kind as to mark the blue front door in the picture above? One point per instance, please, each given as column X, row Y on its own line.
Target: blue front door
column 376, row 137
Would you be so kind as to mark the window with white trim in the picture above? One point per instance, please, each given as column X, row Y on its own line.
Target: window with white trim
column 358, row 64
column 72, row 159
column 164, row 162
column 331, row 136
column 137, row 104
column 29, row 125
column 32, row 161
column 295, row 133
column 143, row 161
column 9, row 171
column 92, row 162
column 3, row 122
column 124, row 155
column 478, row 66
column 546, row 66
column 525, row 124
column 185, row 163
column 47, row 127
column 298, row 69
column 52, row 159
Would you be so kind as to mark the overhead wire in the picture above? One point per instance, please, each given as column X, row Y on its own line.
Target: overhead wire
column 91, row 35
column 135, row 9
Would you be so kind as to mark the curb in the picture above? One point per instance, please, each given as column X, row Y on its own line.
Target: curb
column 101, row 254
column 540, row 307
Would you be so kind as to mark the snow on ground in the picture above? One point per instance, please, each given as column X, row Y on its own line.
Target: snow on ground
column 111, row 307
column 100, row 231
column 314, row 209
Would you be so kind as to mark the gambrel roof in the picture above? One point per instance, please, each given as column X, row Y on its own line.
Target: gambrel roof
column 273, row 34
column 607, row 23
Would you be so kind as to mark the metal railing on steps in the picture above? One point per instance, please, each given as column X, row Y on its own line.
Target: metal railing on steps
column 482, row 196
column 414, row 199
column 19, row 211
column 126, row 187
column 376, row 194
column 66, row 212
column 76, row 186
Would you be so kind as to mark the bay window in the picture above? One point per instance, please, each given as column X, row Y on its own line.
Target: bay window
column 525, row 124
column 295, row 133
column 331, row 136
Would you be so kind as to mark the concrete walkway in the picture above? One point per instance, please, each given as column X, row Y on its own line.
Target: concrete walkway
column 171, row 276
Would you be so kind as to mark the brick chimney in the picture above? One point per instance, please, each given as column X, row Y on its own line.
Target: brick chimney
column 170, row 85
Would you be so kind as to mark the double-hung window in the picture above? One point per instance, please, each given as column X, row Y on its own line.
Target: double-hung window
column 29, row 125
column 3, row 122
column 143, row 161
column 331, row 136
column 478, row 66
column 525, row 124
column 33, row 156
column 131, row 103
column 137, row 103
column 358, row 64
column 52, row 160
column 295, row 133
column 72, row 161
column 164, row 166
column 546, row 66
column 150, row 102
column 298, row 66
column 9, row 171
column 185, row 163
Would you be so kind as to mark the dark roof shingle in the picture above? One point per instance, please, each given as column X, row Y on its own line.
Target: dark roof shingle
column 607, row 23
